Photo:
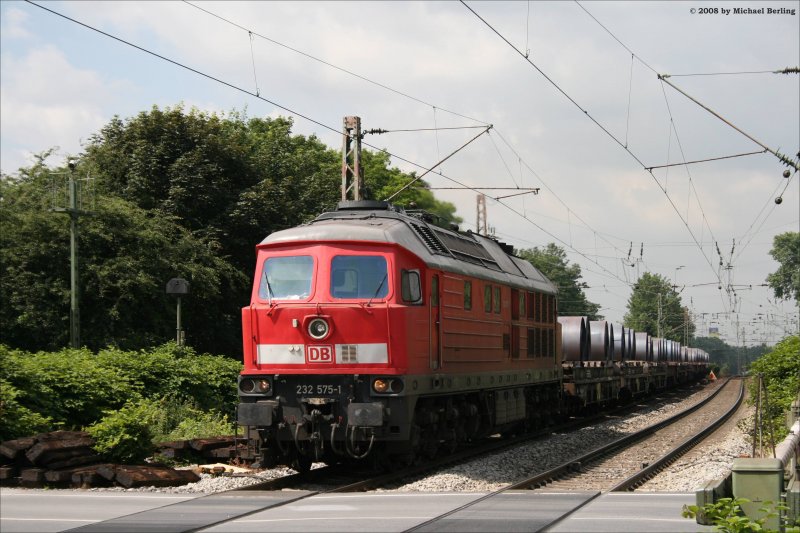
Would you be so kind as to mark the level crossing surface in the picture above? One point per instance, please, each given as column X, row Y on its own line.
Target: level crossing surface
column 56, row 511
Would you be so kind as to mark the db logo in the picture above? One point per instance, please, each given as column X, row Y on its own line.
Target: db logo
column 319, row 354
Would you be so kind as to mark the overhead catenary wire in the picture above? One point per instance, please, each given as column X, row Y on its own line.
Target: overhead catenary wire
column 384, row 86
column 331, row 65
column 336, row 130
column 243, row 90
column 454, row 152
column 763, row 221
column 689, row 174
column 781, row 157
column 363, row 78
column 673, row 127
column 787, row 70
column 707, row 160
column 595, row 121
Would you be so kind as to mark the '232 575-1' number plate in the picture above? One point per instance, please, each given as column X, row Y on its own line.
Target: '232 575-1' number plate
column 325, row 390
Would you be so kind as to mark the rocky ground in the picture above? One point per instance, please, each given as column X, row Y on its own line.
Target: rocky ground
column 711, row 460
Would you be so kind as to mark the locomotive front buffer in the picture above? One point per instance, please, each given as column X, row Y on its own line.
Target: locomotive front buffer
column 307, row 427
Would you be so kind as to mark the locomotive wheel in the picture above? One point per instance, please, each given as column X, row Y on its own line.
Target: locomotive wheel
column 302, row 463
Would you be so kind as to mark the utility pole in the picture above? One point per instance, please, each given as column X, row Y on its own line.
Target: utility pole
column 352, row 173
column 73, row 212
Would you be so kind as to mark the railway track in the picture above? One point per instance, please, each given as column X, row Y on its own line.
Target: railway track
column 618, row 466
column 239, row 503
column 627, row 462
column 345, row 479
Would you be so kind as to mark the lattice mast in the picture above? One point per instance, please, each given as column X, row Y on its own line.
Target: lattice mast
column 352, row 173
column 481, row 223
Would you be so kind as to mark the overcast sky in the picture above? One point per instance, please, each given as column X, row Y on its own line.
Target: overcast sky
column 582, row 128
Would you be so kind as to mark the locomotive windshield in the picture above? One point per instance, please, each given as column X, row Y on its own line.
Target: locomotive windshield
column 359, row 276
column 287, row 278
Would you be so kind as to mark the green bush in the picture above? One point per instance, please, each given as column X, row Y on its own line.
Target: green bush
column 17, row 420
column 779, row 370
column 67, row 386
column 727, row 516
column 197, row 424
column 126, row 435
column 71, row 389
column 171, row 371
column 130, row 434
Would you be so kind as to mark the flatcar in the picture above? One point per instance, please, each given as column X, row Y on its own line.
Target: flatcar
column 375, row 334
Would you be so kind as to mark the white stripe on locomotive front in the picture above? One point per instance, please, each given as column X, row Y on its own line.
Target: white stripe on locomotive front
column 294, row 354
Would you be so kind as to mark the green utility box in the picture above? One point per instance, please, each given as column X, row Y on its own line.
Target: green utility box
column 793, row 501
column 711, row 492
column 758, row 480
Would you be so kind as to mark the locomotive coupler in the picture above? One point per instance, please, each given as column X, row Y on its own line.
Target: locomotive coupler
column 315, row 438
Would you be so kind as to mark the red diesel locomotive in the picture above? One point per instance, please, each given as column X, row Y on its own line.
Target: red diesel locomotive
column 373, row 333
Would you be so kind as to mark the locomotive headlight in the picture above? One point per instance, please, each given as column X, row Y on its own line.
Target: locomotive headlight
column 255, row 386
column 388, row 385
column 318, row 328
column 380, row 385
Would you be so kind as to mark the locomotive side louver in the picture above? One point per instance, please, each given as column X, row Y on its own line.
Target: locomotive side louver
column 430, row 239
column 465, row 248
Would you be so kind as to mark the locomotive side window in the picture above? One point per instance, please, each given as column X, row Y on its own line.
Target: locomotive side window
column 515, row 307
column 497, row 299
column 487, row 298
column 410, row 286
column 435, row 291
column 522, row 305
column 359, row 276
column 286, row 278
column 467, row 295
column 531, row 342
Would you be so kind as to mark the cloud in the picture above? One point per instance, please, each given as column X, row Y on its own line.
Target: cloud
column 13, row 24
column 46, row 101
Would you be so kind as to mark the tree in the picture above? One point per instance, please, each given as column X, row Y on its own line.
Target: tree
column 654, row 307
column 552, row 262
column 785, row 281
column 779, row 371
column 126, row 257
column 729, row 359
column 382, row 182
column 179, row 194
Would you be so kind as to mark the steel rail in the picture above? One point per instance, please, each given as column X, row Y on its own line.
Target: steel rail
column 623, row 442
column 553, row 473
column 646, row 473
column 319, row 475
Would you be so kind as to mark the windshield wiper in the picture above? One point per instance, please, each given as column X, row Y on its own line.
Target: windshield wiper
column 270, row 294
column 380, row 286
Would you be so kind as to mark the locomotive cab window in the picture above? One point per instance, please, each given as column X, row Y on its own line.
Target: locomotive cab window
column 286, row 278
column 359, row 276
column 410, row 286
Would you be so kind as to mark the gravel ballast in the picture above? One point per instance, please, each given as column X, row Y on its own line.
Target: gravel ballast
column 712, row 461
